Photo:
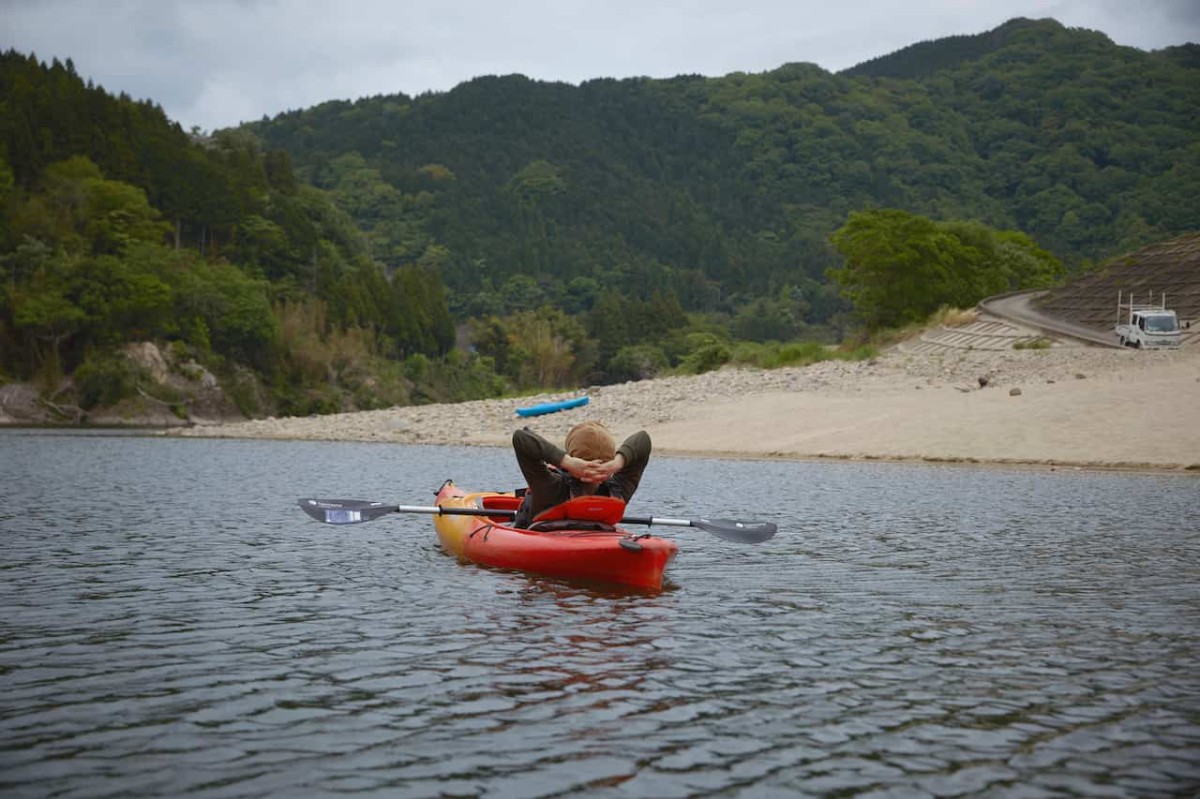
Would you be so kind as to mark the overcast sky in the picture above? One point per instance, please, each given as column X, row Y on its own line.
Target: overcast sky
column 215, row 63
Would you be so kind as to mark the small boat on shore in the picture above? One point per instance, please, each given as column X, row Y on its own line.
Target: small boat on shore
column 579, row 540
column 552, row 407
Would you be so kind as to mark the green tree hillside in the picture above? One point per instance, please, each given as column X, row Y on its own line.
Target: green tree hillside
column 721, row 190
column 209, row 246
column 899, row 268
column 513, row 235
column 923, row 59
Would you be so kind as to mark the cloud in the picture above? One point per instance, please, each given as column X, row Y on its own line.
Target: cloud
column 221, row 62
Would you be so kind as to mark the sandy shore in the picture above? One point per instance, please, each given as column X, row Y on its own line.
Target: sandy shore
column 1067, row 406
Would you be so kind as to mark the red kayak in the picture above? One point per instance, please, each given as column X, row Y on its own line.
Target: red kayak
column 578, row 540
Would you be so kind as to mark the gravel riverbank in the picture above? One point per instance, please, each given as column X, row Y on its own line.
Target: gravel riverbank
column 1066, row 406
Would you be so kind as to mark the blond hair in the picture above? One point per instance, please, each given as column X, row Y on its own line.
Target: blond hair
column 591, row 441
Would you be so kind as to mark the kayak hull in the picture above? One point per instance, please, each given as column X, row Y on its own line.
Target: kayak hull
column 552, row 407
column 616, row 556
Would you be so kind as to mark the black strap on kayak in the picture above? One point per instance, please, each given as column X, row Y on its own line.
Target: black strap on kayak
column 487, row 528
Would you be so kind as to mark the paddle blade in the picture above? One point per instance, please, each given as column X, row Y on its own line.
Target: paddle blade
column 344, row 511
column 740, row 532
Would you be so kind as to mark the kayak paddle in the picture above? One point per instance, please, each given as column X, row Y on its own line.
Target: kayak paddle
column 357, row 511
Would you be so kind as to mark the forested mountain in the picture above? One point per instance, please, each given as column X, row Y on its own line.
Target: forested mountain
column 322, row 260
column 118, row 227
column 924, row 59
column 718, row 189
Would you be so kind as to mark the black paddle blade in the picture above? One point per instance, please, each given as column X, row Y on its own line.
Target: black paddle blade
column 740, row 532
column 344, row 511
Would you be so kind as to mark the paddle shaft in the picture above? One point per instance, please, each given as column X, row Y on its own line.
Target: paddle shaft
column 438, row 510
column 354, row 511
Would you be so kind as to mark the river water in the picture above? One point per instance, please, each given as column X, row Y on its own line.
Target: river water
column 173, row 625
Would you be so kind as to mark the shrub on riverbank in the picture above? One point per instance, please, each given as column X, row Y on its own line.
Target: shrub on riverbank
column 774, row 355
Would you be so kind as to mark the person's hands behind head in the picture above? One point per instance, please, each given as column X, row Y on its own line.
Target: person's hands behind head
column 599, row 471
column 592, row 471
column 576, row 467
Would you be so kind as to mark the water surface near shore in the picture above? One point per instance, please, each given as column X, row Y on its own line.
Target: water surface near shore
column 174, row 624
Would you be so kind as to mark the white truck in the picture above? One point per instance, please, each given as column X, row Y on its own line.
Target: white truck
column 1147, row 326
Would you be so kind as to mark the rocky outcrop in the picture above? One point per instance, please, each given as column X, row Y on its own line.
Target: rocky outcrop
column 20, row 404
column 169, row 392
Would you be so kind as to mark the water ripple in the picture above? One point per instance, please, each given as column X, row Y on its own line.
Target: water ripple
column 174, row 626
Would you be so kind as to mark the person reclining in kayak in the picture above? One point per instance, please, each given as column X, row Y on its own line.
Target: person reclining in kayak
column 591, row 463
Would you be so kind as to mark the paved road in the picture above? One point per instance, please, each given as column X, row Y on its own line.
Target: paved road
column 1016, row 307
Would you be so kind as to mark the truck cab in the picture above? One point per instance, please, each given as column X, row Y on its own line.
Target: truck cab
column 1147, row 326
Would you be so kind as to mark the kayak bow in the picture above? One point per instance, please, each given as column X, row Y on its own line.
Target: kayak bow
column 576, row 549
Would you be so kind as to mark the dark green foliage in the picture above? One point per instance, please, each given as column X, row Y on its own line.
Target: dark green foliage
column 118, row 227
column 721, row 190
column 899, row 267
column 797, row 354
column 706, row 352
column 778, row 318
column 418, row 318
column 581, row 228
column 637, row 362
column 459, row 377
column 617, row 321
column 244, row 388
column 774, row 355
column 105, row 379
column 1187, row 55
column 926, row 58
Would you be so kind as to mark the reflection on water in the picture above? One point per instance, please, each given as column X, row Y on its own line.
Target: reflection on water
column 172, row 624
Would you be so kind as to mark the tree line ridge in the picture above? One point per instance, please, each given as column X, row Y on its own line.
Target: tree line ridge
column 510, row 235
